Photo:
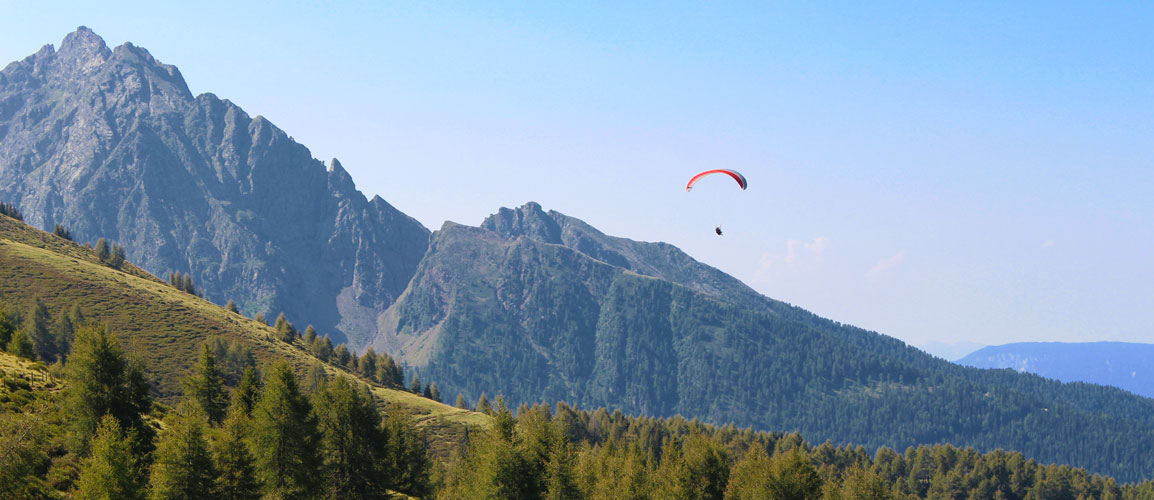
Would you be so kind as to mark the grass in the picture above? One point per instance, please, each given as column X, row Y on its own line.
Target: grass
column 164, row 327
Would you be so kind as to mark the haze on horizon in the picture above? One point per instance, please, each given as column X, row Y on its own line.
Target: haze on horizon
column 932, row 172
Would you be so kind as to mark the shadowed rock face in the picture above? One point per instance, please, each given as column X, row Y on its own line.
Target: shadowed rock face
column 111, row 143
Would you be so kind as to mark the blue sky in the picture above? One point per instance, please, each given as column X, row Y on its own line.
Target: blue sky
column 975, row 171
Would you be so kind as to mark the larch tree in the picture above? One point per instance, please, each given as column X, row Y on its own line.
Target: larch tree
column 111, row 470
column 285, row 439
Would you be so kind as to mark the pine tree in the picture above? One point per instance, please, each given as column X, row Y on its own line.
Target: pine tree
column 315, row 379
column 415, row 386
column 63, row 329
column 182, row 467
column 102, row 251
column 285, row 438
column 259, row 318
column 247, row 392
column 21, row 345
column 111, row 470
column 368, row 364
column 117, row 258
column 62, row 232
column 354, row 442
column 708, row 466
column 434, row 394
column 231, row 307
column 103, row 381
column 7, row 327
column 310, row 335
column 39, row 326
column 407, row 464
column 751, row 478
column 323, row 348
column 428, row 392
column 560, row 480
column 389, row 373
column 483, row 405
column 862, row 483
column 342, row 355
column 284, row 329
column 187, row 285
column 237, row 479
column 461, row 402
column 794, row 476
column 205, row 387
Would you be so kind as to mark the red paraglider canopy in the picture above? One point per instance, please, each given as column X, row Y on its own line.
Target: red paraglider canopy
column 732, row 173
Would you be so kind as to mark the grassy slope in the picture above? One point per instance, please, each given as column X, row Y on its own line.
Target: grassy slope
column 164, row 326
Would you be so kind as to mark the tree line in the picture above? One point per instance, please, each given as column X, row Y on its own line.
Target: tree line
column 267, row 436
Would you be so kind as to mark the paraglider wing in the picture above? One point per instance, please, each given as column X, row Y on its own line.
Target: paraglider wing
column 732, row 173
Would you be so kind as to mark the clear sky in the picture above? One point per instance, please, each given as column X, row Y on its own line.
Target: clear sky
column 978, row 171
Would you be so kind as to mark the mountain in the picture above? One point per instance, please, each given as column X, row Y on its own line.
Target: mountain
column 950, row 351
column 1124, row 365
column 111, row 143
column 535, row 305
column 540, row 306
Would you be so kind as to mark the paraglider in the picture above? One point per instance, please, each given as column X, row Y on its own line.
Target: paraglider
column 732, row 173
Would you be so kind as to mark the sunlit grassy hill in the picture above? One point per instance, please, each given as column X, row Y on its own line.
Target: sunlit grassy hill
column 164, row 326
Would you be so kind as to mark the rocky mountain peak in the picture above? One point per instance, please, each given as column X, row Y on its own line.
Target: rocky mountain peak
column 528, row 220
column 84, row 48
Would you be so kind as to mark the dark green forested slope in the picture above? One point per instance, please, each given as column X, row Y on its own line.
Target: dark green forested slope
column 520, row 311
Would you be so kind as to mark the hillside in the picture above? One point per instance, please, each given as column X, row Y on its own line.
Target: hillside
column 111, row 143
column 1124, row 365
column 517, row 307
column 164, row 327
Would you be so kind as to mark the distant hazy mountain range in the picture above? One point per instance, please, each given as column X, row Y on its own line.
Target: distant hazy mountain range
column 1124, row 365
column 950, row 351
column 533, row 304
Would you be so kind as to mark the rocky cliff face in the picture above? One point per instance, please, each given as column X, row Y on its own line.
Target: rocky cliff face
column 111, row 143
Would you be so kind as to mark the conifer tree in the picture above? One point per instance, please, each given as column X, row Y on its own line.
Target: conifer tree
column 62, row 232
column 862, row 483
column 7, row 327
column 39, row 324
column 260, row 318
column 407, row 463
column 231, row 307
column 342, row 355
column 237, row 478
column 315, row 379
column 110, row 472
column 205, row 387
column 21, row 345
column 794, row 477
column 182, row 467
column 284, row 329
column 483, row 405
column 415, row 386
column 102, row 251
column 427, row 392
column 560, row 480
column 708, row 466
column 751, row 478
column 388, row 372
column 247, row 392
column 310, row 335
column 285, row 439
column 187, row 285
column 117, row 258
column 434, row 394
column 103, row 381
column 461, row 402
column 354, row 442
column 368, row 363
column 63, row 329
